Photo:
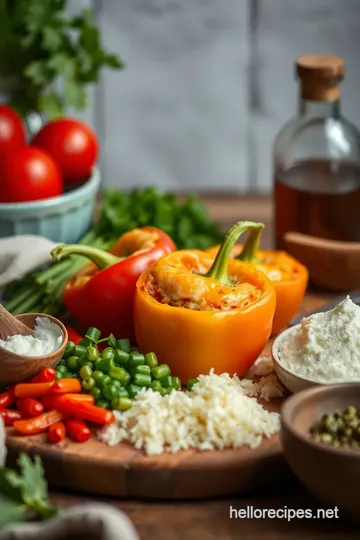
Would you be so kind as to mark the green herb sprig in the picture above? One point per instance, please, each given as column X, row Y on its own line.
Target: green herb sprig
column 23, row 494
column 48, row 58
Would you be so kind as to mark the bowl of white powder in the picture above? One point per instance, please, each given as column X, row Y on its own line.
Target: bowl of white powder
column 323, row 349
column 23, row 357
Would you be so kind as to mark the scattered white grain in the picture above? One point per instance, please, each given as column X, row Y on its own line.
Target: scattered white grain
column 219, row 412
column 263, row 366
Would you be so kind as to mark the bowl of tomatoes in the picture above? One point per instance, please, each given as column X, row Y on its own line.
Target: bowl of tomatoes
column 49, row 182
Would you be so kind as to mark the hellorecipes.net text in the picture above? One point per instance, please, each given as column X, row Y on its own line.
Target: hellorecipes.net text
column 249, row 512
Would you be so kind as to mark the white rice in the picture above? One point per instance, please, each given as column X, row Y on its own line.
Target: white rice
column 219, row 412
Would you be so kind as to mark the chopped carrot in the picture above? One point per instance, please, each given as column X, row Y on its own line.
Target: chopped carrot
column 66, row 386
column 37, row 424
column 32, row 390
column 50, row 400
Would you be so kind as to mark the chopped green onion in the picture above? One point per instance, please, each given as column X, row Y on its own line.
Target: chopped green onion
column 133, row 390
column 85, row 372
column 121, row 357
column 123, row 344
column 112, row 341
column 145, row 370
column 108, row 353
column 117, row 373
column 156, row 386
column 136, row 359
column 93, row 334
column 80, row 350
column 160, row 371
column 142, row 380
column 92, row 353
column 166, row 382
column 96, row 393
column 176, row 383
column 151, row 359
column 121, row 403
column 69, row 349
column 88, row 383
column 190, row 384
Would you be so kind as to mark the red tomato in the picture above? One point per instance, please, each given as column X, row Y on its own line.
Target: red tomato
column 29, row 174
column 12, row 132
column 72, row 144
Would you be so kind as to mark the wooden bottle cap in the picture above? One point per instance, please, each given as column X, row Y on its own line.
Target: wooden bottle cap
column 320, row 76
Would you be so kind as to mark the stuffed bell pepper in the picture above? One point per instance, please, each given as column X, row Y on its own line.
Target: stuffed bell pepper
column 101, row 294
column 289, row 276
column 197, row 313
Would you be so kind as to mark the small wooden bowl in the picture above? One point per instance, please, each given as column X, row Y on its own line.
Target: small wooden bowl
column 331, row 264
column 331, row 474
column 16, row 368
column 292, row 382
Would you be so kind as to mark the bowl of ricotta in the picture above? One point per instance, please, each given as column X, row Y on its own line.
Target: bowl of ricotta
column 323, row 349
column 23, row 357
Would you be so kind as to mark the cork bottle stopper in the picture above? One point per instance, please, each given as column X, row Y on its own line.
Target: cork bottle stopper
column 320, row 76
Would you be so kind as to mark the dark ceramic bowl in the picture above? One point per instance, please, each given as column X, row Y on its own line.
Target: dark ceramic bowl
column 331, row 474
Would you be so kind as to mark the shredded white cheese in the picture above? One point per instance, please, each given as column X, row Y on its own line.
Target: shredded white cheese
column 219, row 412
column 326, row 348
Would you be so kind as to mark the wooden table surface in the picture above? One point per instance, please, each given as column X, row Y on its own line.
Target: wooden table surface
column 210, row 520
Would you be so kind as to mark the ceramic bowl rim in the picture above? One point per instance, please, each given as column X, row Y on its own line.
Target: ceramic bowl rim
column 44, row 356
column 87, row 187
column 292, row 402
column 275, row 356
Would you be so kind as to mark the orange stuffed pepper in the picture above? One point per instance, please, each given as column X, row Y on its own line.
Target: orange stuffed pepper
column 289, row 276
column 197, row 313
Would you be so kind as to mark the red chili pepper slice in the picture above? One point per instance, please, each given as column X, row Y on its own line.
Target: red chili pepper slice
column 10, row 416
column 32, row 390
column 78, row 430
column 48, row 374
column 66, row 386
column 57, row 432
column 30, row 406
column 38, row 424
column 7, row 398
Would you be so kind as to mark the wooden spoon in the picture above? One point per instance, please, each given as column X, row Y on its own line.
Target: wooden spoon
column 16, row 368
column 331, row 264
column 11, row 326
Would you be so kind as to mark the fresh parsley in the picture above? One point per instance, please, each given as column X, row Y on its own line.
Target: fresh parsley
column 23, row 493
column 48, row 59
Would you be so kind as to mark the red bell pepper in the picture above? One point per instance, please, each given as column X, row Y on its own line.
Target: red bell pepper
column 101, row 294
column 73, row 335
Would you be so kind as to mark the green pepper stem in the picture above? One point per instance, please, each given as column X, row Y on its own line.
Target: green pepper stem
column 101, row 258
column 249, row 251
column 219, row 268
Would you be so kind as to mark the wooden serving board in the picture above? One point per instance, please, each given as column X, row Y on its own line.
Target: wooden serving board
column 121, row 471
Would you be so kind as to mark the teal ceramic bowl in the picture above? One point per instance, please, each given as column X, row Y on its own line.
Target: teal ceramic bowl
column 63, row 219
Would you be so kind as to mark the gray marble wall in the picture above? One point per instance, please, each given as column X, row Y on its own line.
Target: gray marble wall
column 208, row 83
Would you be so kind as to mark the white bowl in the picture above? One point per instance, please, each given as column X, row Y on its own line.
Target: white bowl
column 292, row 382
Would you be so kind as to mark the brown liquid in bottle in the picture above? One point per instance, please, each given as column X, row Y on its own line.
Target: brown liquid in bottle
column 320, row 198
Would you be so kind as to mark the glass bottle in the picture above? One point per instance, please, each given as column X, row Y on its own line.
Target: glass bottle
column 317, row 160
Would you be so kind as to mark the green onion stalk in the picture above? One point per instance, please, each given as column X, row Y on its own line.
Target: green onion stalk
column 40, row 292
